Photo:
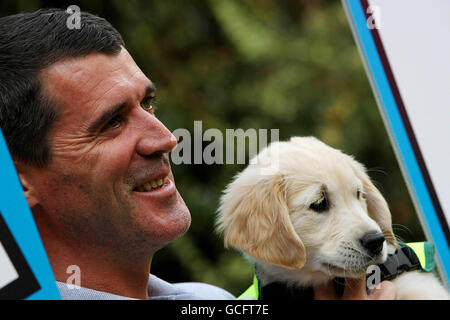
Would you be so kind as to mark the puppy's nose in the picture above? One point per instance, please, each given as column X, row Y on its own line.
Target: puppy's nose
column 373, row 242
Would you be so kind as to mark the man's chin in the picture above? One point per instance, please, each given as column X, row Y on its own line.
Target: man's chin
column 170, row 222
column 162, row 213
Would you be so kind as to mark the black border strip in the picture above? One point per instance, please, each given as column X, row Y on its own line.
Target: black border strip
column 408, row 127
column 26, row 284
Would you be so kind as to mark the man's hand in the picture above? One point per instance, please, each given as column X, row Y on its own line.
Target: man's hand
column 355, row 289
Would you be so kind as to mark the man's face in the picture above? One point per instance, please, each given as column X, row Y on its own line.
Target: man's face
column 107, row 148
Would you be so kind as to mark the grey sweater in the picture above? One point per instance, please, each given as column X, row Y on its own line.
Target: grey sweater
column 158, row 289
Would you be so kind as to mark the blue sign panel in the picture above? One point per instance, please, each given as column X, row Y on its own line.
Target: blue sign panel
column 25, row 272
column 400, row 78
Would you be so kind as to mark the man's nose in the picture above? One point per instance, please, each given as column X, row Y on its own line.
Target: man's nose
column 156, row 138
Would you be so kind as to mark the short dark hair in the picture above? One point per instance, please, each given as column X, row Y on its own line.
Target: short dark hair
column 30, row 42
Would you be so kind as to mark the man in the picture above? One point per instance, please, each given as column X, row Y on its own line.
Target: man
column 77, row 115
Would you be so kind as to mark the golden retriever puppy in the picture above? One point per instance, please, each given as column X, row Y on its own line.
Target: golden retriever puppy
column 306, row 213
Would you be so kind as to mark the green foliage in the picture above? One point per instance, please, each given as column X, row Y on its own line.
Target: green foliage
column 290, row 64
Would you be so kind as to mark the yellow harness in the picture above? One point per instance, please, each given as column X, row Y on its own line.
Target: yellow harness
column 410, row 256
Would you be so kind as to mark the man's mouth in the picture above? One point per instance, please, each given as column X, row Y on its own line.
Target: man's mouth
column 152, row 185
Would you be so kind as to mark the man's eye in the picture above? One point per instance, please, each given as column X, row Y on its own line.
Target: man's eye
column 114, row 123
column 147, row 104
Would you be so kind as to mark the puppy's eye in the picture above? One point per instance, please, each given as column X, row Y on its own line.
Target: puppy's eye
column 360, row 195
column 321, row 205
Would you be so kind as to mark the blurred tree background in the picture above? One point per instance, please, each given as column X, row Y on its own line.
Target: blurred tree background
column 290, row 65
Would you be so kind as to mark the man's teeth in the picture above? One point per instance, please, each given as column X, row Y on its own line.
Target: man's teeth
column 155, row 184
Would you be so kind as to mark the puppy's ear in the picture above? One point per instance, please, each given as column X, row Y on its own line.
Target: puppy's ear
column 376, row 204
column 254, row 217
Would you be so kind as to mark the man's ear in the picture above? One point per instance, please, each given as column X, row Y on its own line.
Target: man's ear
column 27, row 187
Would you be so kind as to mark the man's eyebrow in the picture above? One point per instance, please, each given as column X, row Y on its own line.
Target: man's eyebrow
column 150, row 90
column 111, row 112
column 106, row 115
